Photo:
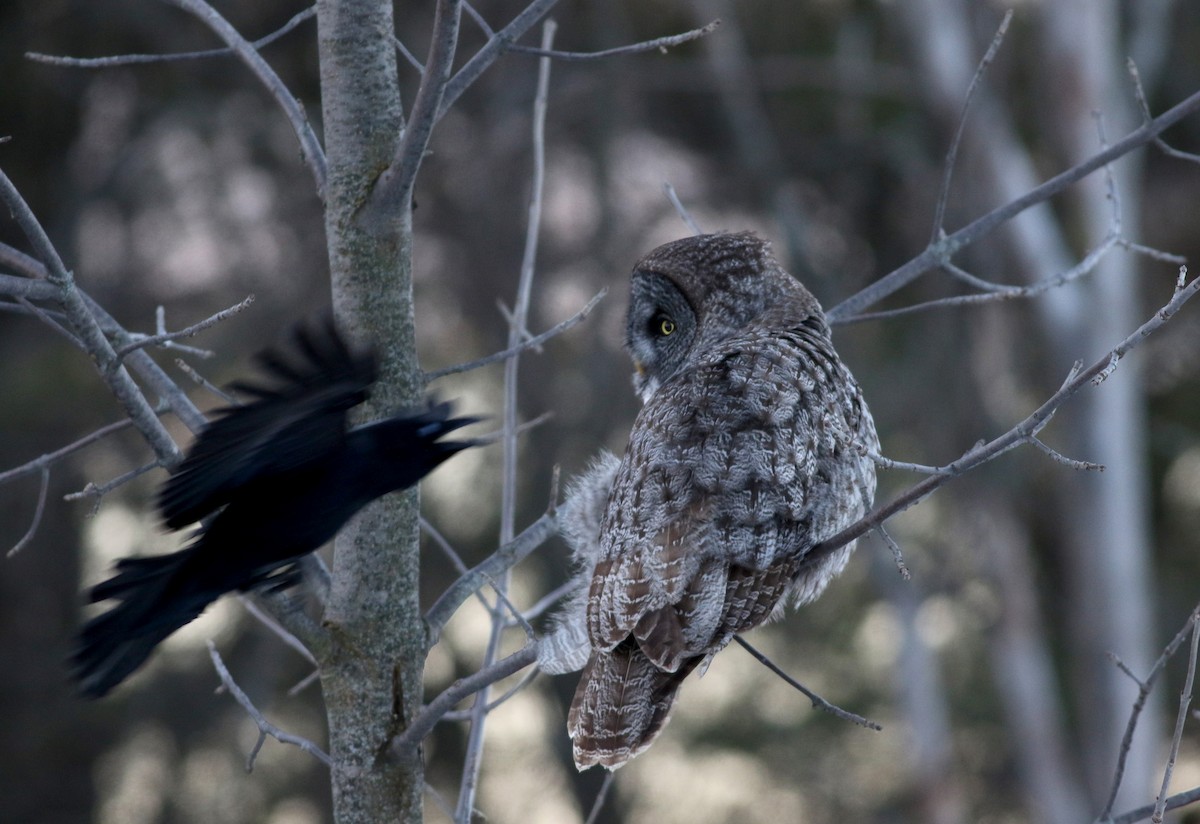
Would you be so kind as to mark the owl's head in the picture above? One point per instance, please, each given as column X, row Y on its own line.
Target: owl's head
column 689, row 295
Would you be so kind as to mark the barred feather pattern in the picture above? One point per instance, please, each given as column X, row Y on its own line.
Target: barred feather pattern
column 753, row 445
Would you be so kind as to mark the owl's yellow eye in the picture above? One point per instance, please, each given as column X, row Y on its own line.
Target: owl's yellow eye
column 666, row 326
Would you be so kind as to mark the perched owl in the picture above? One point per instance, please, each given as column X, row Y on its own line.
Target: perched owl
column 753, row 445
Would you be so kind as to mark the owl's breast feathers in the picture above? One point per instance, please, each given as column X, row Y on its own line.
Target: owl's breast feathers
column 736, row 467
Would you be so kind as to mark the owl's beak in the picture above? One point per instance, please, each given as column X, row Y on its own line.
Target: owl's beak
column 637, row 367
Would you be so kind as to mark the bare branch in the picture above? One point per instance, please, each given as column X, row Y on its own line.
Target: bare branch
column 163, row 337
column 148, row 370
column 888, row 463
column 660, row 44
column 1140, row 94
column 427, row 719
column 45, row 461
column 1185, row 698
column 310, row 147
column 939, row 214
column 526, row 679
column 817, row 701
column 135, row 59
column 265, row 727
column 601, row 797
column 1144, row 687
column 473, row 758
column 27, row 288
column 681, row 210
column 1020, row 434
column 486, row 571
column 488, row 31
column 997, row 293
column 897, row 554
column 409, row 57
column 85, row 326
column 491, row 50
column 97, row 491
column 935, row 254
column 531, row 343
column 1173, row 803
column 269, row 621
column 396, row 183
column 55, row 321
column 1063, row 459
column 549, row 599
column 37, row 514
column 188, row 370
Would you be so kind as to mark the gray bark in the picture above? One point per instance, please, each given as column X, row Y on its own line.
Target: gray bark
column 372, row 675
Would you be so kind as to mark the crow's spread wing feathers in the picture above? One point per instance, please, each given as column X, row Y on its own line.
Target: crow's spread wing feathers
column 297, row 423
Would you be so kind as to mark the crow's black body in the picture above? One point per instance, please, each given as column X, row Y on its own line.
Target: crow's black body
column 283, row 474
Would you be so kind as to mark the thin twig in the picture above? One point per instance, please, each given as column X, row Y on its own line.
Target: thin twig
column 601, row 797
column 548, row 600
column 27, row 288
column 395, row 185
column 270, row 622
column 45, row 461
column 817, row 701
column 888, row 463
column 310, row 147
column 134, row 59
column 55, row 320
column 204, row 382
column 514, row 350
column 37, row 514
column 526, row 679
column 1144, row 686
column 427, row 719
column 1185, row 698
column 84, row 325
column 1173, row 803
column 483, row 24
column 1014, row 437
column 97, row 491
column 473, row 758
column 164, row 337
column 996, row 295
column 492, row 49
column 681, row 210
column 487, row 570
column 937, row 253
column 1087, row 466
column 897, row 553
column 265, row 727
column 409, row 56
column 1140, row 93
column 939, row 214
column 660, row 44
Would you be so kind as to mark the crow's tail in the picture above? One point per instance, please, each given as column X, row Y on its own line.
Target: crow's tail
column 154, row 602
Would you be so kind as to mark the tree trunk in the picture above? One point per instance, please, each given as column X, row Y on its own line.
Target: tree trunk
column 372, row 675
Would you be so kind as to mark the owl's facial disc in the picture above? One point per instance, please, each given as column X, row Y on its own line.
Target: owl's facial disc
column 660, row 328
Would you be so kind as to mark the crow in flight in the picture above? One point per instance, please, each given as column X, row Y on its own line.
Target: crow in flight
column 282, row 475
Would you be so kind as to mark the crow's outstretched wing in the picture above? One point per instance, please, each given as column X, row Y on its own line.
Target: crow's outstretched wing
column 298, row 423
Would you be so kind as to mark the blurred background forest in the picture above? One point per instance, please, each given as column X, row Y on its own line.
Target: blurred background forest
column 823, row 125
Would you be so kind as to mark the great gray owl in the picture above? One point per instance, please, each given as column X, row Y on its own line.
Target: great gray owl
column 752, row 446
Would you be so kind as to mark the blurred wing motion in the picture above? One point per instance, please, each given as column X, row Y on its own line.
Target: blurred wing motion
column 279, row 477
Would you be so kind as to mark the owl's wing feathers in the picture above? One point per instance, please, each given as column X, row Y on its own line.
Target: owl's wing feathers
column 738, row 501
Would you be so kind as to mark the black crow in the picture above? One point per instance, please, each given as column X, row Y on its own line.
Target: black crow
column 282, row 474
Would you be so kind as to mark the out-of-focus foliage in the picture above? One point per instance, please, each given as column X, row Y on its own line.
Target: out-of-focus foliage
column 179, row 184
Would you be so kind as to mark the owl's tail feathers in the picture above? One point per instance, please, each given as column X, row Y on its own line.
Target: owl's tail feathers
column 621, row 704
